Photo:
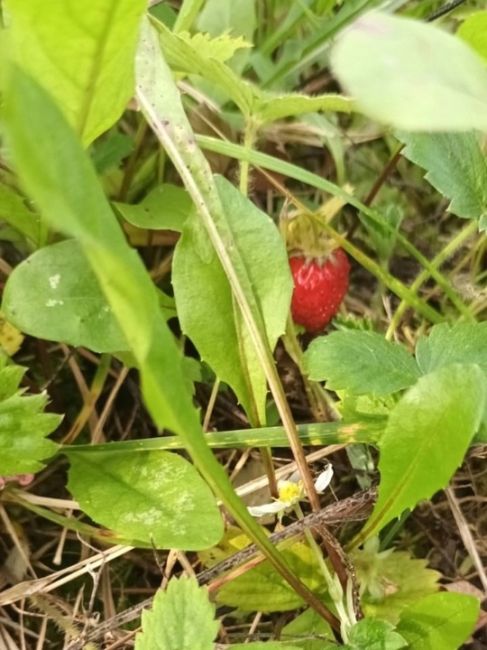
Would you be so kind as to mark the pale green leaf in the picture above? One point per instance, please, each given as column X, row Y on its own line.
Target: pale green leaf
column 391, row 580
column 272, row 107
column 412, row 75
column 426, row 438
column 270, row 645
column 182, row 56
column 374, row 634
column 14, row 211
column 166, row 207
column 23, row 425
column 181, row 618
column 262, row 589
column 473, row 31
column 238, row 18
column 443, row 620
column 54, row 295
column 156, row 498
column 449, row 344
column 455, row 165
column 82, row 53
column 204, row 299
column 220, row 48
column 360, row 362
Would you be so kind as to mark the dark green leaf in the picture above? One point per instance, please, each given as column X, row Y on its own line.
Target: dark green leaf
column 204, row 299
column 181, row 618
column 308, row 631
column 412, row 75
column 426, row 438
column 55, row 295
column 456, row 166
column 156, row 498
column 443, row 620
column 360, row 362
column 449, row 344
column 23, row 425
column 374, row 634
column 165, row 208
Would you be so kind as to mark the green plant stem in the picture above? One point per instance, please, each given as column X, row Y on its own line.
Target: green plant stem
column 266, row 161
column 318, row 434
column 249, row 138
column 392, row 283
column 442, row 256
column 187, row 15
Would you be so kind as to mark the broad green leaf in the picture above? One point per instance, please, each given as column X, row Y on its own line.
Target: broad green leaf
column 23, row 425
column 166, row 207
column 181, row 618
column 360, row 363
column 308, row 631
column 444, row 620
column 374, row 634
column 426, row 438
column 82, row 53
column 204, row 298
column 412, row 75
column 456, row 166
column 473, row 31
column 156, row 498
column 391, row 580
column 14, row 211
column 108, row 152
column 238, row 18
column 55, row 295
column 449, row 344
column 262, row 590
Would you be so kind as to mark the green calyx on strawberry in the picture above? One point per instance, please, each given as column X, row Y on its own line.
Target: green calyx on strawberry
column 320, row 272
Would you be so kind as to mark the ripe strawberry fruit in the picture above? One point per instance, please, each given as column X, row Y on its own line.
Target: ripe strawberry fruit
column 319, row 288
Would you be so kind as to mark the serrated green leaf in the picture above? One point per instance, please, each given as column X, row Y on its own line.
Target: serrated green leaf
column 412, row 75
column 156, row 498
column 262, row 589
column 14, row 211
column 204, row 298
column 308, row 631
column 360, row 363
column 181, row 618
column 455, row 165
column 391, row 580
column 23, row 425
column 182, row 56
column 272, row 106
column 83, row 54
column 166, row 207
column 220, row 47
column 427, row 435
column 54, row 295
column 443, row 620
column 473, row 31
column 239, row 18
column 374, row 634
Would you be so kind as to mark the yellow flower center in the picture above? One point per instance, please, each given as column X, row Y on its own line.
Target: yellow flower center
column 290, row 492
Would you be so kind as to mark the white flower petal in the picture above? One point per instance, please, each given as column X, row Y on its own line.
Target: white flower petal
column 267, row 508
column 323, row 480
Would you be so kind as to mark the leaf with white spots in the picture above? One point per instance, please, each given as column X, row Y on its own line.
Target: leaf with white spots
column 148, row 498
column 55, row 295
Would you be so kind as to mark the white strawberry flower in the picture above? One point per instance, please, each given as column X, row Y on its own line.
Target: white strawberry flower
column 291, row 491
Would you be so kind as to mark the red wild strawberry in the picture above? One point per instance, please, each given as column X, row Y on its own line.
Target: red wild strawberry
column 319, row 288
